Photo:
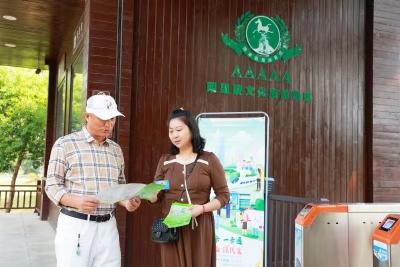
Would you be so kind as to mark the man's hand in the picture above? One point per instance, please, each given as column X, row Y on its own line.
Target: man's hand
column 88, row 204
column 131, row 204
column 83, row 204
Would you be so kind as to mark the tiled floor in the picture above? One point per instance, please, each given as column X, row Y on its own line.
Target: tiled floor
column 26, row 241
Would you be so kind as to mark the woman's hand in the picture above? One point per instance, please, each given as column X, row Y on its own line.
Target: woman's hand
column 154, row 197
column 197, row 210
column 131, row 204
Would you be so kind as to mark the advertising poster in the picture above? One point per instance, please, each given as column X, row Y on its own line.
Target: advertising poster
column 240, row 144
column 298, row 245
column 380, row 250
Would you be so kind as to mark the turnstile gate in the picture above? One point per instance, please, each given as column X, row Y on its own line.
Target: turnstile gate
column 338, row 235
column 386, row 242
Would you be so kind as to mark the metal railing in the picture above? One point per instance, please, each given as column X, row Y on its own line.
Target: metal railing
column 282, row 212
column 25, row 196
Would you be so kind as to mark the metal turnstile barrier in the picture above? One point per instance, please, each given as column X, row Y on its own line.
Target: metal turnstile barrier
column 338, row 235
column 386, row 242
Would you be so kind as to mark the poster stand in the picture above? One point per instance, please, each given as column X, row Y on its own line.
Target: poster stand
column 241, row 141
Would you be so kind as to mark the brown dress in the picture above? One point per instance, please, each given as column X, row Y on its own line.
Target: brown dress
column 196, row 247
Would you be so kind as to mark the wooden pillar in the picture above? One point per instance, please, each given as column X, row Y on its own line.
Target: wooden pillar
column 50, row 130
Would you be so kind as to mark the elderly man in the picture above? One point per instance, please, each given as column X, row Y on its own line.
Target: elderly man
column 82, row 164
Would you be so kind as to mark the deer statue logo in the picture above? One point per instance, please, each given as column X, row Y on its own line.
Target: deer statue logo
column 261, row 38
column 263, row 35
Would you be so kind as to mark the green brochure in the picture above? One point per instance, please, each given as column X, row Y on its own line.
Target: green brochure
column 180, row 214
column 149, row 190
column 116, row 193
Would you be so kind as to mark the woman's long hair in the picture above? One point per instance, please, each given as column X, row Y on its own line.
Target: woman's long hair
column 186, row 117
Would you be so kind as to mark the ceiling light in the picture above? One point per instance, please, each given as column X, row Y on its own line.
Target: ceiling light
column 8, row 17
column 10, row 45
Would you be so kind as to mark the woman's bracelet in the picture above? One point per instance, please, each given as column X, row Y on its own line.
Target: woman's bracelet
column 204, row 209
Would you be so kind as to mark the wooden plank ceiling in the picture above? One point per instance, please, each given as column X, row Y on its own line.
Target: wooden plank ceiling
column 38, row 30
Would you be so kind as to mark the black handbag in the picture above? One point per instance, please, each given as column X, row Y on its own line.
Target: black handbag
column 160, row 233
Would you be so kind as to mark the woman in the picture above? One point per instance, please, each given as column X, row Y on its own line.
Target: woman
column 196, row 245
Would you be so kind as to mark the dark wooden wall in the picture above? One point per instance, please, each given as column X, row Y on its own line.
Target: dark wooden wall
column 102, row 41
column 386, row 101
column 316, row 149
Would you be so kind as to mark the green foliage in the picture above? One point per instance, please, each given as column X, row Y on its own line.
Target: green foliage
column 28, row 169
column 78, row 101
column 23, row 102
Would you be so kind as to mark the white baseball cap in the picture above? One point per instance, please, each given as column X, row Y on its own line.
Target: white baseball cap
column 102, row 106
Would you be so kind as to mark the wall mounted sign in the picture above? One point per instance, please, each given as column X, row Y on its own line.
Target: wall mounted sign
column 261, row 38
column 269, row 91
column 79, row 33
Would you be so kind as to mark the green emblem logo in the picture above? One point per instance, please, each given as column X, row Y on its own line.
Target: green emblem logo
column 261, row 38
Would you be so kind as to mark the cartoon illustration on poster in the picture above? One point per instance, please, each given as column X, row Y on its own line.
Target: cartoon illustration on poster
column 240, row 144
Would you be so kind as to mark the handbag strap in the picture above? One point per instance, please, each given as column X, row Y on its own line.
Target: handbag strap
column 186, row 189
column 184, row 178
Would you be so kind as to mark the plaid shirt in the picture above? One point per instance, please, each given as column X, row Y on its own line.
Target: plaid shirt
column 80, row 166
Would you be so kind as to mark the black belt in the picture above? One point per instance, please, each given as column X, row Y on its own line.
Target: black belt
column 83, row 216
